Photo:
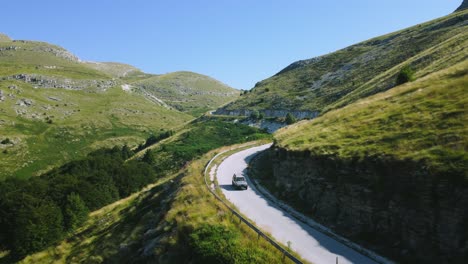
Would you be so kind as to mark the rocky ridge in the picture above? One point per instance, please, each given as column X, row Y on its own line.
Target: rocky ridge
column 41, row 81
column 463, row 6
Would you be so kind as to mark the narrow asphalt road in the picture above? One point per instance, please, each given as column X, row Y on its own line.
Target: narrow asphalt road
column 312, row 245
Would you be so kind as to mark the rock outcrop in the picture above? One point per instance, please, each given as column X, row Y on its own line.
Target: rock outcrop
column 463, row 6
column 399, row 208
column 40, row 81
column 269, row 113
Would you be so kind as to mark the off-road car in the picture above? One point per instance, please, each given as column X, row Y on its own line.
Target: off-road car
column 239, row 182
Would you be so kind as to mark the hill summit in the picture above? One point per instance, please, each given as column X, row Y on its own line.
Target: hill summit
column 4, row 37
column 463, row 6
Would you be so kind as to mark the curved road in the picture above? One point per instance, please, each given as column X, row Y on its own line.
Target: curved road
column 312, row 245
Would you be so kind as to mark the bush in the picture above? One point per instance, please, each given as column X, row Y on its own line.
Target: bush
column 255, row 114
column 6, row 141
column 215, row 244
column 290, row 119
column 405, row 75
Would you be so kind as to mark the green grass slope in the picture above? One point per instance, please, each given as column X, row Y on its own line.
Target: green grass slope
column 54, row 108
column 342, row 77
column 115, row 69
column 188, row 92
column 423, row 120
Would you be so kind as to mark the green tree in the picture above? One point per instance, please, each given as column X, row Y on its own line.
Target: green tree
column 126, row 152
column 290, row 119
column 36, row 226
column 405, row 75
column 75, row 212
column 255, row 114
column 148, row 157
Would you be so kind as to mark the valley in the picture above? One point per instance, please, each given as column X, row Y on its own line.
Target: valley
column 356, row 156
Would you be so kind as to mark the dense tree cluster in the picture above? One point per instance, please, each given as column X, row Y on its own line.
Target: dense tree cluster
column 202, row 138
column 153, row 139
column 36, row 212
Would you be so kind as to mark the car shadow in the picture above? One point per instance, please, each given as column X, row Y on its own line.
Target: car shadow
column 229, row 187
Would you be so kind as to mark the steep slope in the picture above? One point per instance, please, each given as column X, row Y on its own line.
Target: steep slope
column 334, row 80
column 463, row 6
column 188, row 92
column 388, row 171
column 56, row 108
column 174, row 220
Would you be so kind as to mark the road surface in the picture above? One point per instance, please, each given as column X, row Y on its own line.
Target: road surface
column 311, row 245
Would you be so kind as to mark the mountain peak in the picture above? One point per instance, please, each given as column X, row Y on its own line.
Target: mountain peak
column 463, row 6
column 4, row 38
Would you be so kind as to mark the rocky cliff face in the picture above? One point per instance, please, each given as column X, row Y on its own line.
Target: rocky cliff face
column 269, row 113
column 463, row 6
column 399, row 208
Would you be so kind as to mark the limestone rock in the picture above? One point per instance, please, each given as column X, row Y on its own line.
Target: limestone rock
column 398, row 208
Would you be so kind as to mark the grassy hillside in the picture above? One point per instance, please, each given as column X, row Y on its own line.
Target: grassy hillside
column 188, row 92
column 59, row 125
column 422, row 120
column 174, row 220
column 115, row 69
column 55, row 108
column 155, row 226
column 342, row 77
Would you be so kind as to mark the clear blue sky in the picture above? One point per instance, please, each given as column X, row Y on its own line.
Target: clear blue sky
column 238, row 42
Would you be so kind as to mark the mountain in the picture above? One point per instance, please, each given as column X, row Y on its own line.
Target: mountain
column 187, row 91
column 115, row 69
column 310, row 87
column 463, row 6
column 385, row 163
column 55, row 107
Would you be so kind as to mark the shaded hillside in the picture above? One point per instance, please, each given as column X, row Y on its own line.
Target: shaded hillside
column 388, row 171
column 463, row 6
column 174, row 220
column 342, row 77
column 188, row 92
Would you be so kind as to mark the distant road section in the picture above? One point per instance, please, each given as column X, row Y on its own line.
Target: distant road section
column 312, row 245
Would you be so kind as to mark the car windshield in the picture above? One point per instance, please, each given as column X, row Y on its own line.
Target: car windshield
column 240, row 179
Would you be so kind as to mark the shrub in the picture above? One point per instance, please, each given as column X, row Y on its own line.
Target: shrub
column 405, row 75
column 6, row 141
column 215, row 244
column 255, row 114
column 290, row 119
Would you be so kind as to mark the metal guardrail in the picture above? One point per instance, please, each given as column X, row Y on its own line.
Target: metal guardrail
column 242, row 219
